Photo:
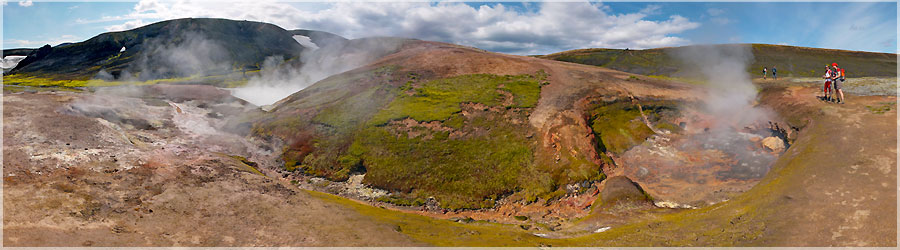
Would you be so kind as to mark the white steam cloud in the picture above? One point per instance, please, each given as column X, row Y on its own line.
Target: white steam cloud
column 279, row 79
column 731, row 94
column 191, row 55
column 194, row 55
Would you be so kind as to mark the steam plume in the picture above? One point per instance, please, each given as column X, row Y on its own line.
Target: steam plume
column 731, row 94
column 279, row 78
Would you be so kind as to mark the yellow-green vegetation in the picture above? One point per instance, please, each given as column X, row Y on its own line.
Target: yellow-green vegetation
column 443, row 232
column 644, row 62
column 32, row 81
column 437, row 100
column 400, row 200
column 248, row 165
column 350, row 111
column 460, row 173
column 882, row 108
column 672, row 229
column 472, row 171
column 41, row 81
column 619, row 126
column 579, row 169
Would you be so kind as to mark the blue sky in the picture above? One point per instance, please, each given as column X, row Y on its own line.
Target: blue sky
column 518, row 28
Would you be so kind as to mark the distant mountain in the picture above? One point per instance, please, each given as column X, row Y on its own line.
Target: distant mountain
column 17, row 52
column 789, row 60
column 167, row 49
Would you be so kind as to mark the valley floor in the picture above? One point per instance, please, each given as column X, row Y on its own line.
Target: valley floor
column 64, row 184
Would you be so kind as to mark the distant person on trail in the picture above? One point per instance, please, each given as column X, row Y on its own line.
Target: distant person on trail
column 837, row 80
column 773, row 73
column 827, row 88
column 764, row 72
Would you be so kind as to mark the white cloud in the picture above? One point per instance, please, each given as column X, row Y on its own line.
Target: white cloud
column 19, row 43
column 652, row 10
column 541, row 28
column 126, row 26
column 26, row 3
column 720, row 20
column 715, row 11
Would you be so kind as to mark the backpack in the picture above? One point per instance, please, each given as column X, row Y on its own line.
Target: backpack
column 842, row 74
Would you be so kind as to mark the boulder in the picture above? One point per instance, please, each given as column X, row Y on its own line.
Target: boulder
column 773, row 144
column 621, row 189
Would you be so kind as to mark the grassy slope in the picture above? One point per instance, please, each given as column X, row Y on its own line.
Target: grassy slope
column 350, row 131
column 468, row 172
column 790, row 61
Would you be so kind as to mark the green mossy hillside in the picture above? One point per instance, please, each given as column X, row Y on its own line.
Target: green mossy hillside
column 470, row 171
column 489, row 154
column 437, row 100
column 468, row 143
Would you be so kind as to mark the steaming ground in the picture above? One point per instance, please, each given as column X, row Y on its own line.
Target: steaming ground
column 150, row 167
column 719, row 151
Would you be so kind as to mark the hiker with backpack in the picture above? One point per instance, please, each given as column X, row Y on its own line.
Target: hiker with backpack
column 837, row 80
column 827, row 88
column 773, row 73
column 764, row 71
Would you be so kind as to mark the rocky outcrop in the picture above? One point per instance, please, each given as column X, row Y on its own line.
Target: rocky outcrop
column 773, row 144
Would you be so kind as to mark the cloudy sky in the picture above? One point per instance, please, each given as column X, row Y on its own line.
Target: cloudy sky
column 509, row 27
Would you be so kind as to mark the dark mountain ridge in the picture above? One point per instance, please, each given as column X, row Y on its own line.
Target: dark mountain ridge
column 172, row 48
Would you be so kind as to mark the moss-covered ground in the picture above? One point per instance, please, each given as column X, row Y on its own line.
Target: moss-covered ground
column 470, row 161
column 460, row 172
column 619, row 125
column 493, row 157
column 437, row 100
